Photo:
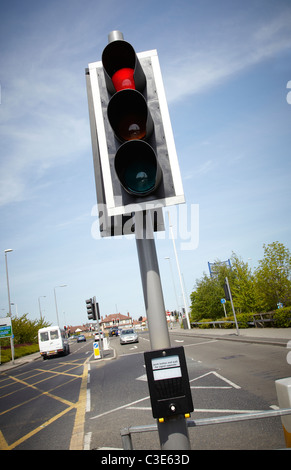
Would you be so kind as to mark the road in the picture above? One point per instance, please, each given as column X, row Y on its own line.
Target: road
column 77, row 402
column 225, row 378
column 40, row 402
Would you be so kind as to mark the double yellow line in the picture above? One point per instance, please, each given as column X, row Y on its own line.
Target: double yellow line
column 77, row 438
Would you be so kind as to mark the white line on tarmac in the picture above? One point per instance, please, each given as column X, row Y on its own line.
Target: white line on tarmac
column 120, row 408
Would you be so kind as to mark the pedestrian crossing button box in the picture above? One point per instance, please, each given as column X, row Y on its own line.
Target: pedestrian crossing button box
column 168, row 382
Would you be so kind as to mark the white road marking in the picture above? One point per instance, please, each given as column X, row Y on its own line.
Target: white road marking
column 143, row 378
column 120, row 407
column 87, row 441
column 88, row 401
column 232, row 384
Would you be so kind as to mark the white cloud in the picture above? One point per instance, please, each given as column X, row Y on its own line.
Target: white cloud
column 43, row 124
column 220, row 58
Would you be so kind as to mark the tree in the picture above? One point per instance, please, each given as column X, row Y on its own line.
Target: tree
column 272, row 277
column 242, row 288
column 25, row 330
column 256, row 292
column 206, row 298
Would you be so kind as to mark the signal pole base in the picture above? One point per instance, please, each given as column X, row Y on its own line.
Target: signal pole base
column 173, row 434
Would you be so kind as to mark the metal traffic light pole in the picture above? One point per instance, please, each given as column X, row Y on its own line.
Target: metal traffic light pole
column 96, row 308
column 136, row 168
column 173, row 432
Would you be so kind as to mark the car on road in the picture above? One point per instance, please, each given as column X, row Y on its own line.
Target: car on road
column 81, row 338
column 97, row 337
column 128, row 336
column 52, row 341
column 113, row 331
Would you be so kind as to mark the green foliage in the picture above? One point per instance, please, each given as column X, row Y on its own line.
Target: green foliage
column 25, row 330
column 251, row 292
column 283, row 317
column 18, row 352
column 242, row 286
column 272, row 277
column 205, row 324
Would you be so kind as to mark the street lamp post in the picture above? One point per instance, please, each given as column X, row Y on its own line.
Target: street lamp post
column 7, row 279
column 41, row 296
column 177, row 302
column 180, row 276
column 9, row 303
column 63, row 285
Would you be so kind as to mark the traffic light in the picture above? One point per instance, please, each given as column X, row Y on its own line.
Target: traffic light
column 91, row 312
column 97, row 311
column 135, row 160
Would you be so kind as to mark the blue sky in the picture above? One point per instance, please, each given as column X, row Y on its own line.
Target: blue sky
column 225, row 65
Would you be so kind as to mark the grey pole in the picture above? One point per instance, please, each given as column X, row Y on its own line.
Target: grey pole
column 232, row 306
column 9, row 304
column 151, row 282
column 173, row 432
column 7, row 279
column 63, row 285
column 98, row 327
column 115, row 36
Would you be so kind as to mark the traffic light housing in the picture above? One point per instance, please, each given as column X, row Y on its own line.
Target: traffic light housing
column 135, row 160
column 91, row 311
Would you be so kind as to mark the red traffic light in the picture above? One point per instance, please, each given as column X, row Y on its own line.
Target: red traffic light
column 123, row 79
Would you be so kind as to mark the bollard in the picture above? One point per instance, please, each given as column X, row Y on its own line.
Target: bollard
column 283, row 388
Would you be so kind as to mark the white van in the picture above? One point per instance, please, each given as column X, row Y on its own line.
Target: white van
column 52, row 340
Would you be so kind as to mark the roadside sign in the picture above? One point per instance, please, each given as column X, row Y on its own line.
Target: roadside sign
column 222, row 301
column 96, row 350
column 5, row 327
column 105, row 343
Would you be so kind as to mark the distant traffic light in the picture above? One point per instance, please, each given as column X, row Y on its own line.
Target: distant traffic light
column 135, row 160
column 91, row 312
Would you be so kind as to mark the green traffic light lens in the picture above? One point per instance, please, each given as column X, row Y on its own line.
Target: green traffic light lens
column 139, row 177
column 137, row 167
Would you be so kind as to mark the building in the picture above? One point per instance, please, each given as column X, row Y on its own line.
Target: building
column 115, row 319
column 77, row 329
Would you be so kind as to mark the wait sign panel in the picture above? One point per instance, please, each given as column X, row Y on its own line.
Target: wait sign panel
column 168, row 382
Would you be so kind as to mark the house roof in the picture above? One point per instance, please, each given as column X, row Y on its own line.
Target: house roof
column 73, row 329
column 115, row 316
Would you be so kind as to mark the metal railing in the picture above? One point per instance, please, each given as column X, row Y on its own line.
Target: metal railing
column 126, row 433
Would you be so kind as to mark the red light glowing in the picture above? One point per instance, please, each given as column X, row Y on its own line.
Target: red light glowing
column 123, row 79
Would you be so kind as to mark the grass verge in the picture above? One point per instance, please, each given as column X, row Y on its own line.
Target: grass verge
column 19, row 351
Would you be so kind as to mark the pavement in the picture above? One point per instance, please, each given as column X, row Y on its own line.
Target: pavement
column 19, row 362
column 271, row 336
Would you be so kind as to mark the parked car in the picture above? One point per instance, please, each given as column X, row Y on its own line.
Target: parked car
column 113, row 331
column 81, row 338
column 128, row 336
